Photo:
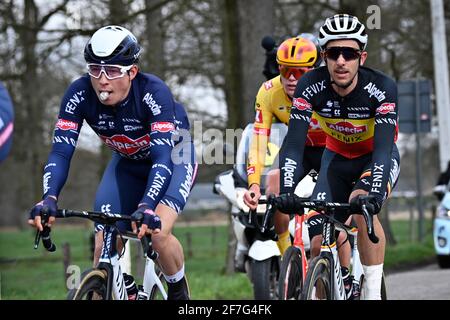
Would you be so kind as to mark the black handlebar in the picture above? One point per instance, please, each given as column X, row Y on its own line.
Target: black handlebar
column 99, row 217
column 264, row 228
column 322, row 206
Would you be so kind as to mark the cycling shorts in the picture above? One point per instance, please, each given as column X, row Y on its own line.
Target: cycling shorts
column 340, row 176
column 125, row 180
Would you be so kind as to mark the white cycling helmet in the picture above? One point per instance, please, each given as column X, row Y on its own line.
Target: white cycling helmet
column 112, row 45
column 342, row 26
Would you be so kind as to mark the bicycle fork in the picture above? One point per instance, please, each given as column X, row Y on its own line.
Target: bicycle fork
column 151, row 278
column 357, row 269
column 331, row 253
column 109, row 261
column 298, row 242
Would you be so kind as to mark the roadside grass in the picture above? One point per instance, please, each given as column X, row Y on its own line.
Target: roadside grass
column 28, row 274
column 408, row 251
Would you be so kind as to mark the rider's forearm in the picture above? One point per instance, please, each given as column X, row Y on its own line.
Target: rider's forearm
column 256, row 158
column 291, row 155
column 56, row 171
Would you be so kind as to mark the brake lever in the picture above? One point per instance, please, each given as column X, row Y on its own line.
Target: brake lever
column 37, row 239
column 44, row 218
column 369, row 221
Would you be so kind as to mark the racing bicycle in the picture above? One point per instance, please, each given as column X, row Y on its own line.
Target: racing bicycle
column 106, row 280
column 323, row 279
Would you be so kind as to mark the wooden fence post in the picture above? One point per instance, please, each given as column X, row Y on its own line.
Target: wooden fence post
column 66, row 260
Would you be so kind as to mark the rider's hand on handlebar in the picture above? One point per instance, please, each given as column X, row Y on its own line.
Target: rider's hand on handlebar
column 287, row 203
column 151, row 223
column 252, row 196
column 35, row 213
column 372, row 205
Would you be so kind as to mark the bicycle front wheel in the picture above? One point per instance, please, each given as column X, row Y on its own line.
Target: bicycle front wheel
column 318, row 280
column 290, row 282
column 92, row 286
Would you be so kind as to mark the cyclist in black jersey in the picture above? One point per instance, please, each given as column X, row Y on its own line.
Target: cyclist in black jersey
column 357, row 108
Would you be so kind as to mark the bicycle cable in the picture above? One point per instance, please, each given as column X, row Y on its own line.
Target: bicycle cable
column 335, row 221
column 121, row 254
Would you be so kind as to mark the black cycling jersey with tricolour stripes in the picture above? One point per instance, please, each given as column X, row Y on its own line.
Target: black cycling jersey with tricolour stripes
column 362, row 122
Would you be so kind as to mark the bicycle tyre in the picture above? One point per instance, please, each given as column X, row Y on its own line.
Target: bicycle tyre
column 264, row 275
column 290, row 283
column 91, row 281
column 318, row 277
column 383, row 287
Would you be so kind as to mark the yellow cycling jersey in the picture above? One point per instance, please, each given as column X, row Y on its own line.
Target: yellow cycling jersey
column 272, row 102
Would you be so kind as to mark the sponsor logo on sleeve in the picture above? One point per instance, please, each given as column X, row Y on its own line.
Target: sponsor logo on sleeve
column 372, row 89
column 74, row 101
column 258, row 116
column 386, row 108
column 261, row 131
column 65, row 125
column 162, row 126
column 250, row 170
column 268, row 85
column 301, row 104
column 152, row 104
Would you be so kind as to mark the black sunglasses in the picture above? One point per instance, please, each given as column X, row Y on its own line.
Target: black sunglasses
column 348, row 53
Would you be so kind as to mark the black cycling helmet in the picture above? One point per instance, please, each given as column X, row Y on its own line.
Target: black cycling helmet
column 112, row 45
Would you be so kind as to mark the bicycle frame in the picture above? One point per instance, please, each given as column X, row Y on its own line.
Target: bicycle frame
column 109, row 258
column 150, row 277
column 329, row 250
column 111, row 264
column 298, row 241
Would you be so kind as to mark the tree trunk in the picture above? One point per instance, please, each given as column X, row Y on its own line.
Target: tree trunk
column 29, row 140
column 118, row 9
column 232, row 63
column 153, row 54
column 233, row 95
column 243, row 63
column 256, row 20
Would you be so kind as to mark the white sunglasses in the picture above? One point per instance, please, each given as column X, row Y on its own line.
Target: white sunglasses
column 111, row 71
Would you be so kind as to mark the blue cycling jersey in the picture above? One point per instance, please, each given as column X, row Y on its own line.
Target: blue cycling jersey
column 6, row 122
column 141, row 128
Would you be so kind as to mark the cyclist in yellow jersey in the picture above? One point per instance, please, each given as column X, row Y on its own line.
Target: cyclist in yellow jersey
column 295, row 56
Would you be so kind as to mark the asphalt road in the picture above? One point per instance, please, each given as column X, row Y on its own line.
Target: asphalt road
column 424, row 283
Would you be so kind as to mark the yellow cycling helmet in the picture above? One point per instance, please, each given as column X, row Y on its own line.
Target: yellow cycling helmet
column 297, row 52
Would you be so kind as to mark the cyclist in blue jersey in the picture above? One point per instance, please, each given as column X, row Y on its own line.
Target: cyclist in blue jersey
column 6, row 122
column 152, row 168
